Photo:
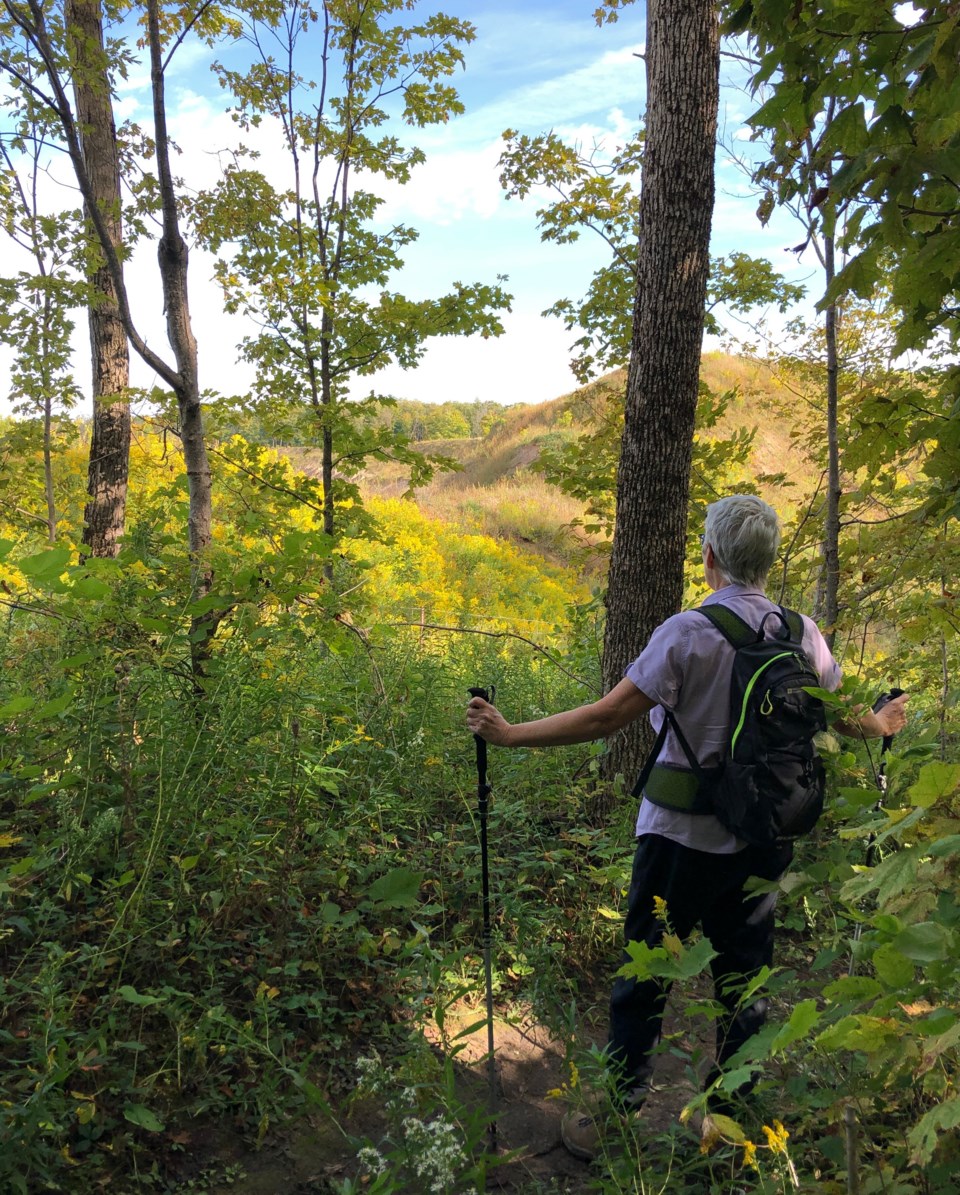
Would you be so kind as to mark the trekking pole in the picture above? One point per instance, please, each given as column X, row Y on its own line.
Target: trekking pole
column 881, row 778
column 483, row 792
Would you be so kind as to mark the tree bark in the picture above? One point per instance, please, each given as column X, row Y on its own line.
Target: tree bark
column 827, row 605
column 676, row 207
column 105, row 511
column 172, row 256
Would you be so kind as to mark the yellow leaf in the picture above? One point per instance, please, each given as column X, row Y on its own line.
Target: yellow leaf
column 672, row 944
column 10, row 839
column 86, row 1112
column 918, row 1009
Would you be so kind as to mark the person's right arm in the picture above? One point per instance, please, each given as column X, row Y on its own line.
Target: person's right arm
column 623, row 704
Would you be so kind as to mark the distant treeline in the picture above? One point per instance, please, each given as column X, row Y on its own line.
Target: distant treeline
column 404, row 417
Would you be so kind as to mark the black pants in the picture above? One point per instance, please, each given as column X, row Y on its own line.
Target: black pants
column 705, row 889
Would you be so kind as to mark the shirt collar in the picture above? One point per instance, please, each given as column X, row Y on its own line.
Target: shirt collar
column 731, row 591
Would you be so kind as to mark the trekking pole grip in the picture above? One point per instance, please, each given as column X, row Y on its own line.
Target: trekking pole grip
column 882, row 700
column 484, row 789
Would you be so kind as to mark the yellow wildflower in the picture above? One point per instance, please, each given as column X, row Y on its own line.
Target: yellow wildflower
column 660, row 907
column 776, row 1137
column 565, row 1090
column 750, row 1155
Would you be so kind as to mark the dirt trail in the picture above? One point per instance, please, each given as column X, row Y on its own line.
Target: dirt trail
column 530, row 1064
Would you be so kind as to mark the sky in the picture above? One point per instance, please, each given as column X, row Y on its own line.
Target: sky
column 534, row 66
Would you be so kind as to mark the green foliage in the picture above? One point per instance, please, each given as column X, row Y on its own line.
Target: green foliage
column 206, row 902
column 586, row 467
column 860, row 113
column 309, row 261
column 595, row 190
column 889, row 83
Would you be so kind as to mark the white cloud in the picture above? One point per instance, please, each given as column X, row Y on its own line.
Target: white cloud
column 528, row 364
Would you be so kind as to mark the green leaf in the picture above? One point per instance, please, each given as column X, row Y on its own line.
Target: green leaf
column 91, row 587
column 45, row 566
column 728, row 1128
column 925, row 943
column 924, row 1135
column 56, row 705
column 398, row 889
column 77, row 661
column 475, row 1027
column 142, row 1117
column 890, row 877
column 852, row 987
column 17, row 705
column 785, row 106
column 935, row 781
column 329, row 912
column 848, row 130
column 802, row 1020
column 894, row 968
column 132, row 996
column 695, row 959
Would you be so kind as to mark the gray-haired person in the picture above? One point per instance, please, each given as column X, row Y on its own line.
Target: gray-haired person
column 690, row 860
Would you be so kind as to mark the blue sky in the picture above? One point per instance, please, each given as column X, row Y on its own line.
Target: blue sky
column 534, row 66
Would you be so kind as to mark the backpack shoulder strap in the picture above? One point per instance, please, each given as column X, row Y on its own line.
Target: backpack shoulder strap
column 793, row 623
column 731, row 626
column 669, row 720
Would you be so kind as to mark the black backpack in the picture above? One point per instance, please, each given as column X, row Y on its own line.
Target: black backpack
column 770, row 787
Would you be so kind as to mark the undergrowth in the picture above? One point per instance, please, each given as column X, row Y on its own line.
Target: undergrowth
column 217, row 896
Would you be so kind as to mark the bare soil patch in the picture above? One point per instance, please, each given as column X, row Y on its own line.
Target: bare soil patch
column 530, row 1065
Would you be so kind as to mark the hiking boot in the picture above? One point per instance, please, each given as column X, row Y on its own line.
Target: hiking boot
column 583, row 1130
column 580, row 1134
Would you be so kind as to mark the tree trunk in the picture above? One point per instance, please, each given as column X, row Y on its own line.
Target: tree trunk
column 172, row 256
column 51, row 519
column 105, row 511
column 827, row 607
column 676, row 206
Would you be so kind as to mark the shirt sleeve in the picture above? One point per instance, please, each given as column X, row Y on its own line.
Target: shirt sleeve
column 820, row 656
column 658, row 670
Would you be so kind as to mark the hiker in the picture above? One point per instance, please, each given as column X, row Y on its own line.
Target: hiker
column 690, row 860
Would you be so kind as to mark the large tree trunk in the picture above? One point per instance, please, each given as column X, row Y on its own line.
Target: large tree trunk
column 105, row 511
column 676, row 206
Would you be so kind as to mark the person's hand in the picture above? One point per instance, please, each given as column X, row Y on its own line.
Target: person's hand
column 486, row 720
column 892, row 717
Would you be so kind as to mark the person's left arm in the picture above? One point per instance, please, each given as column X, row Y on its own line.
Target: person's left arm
column 890, row 719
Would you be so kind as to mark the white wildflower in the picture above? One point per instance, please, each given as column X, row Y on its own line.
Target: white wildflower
column 372, row 1160
column 370, row 1072
column 438, row 1152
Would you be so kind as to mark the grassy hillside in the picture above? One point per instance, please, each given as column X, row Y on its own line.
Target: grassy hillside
column 495, row 490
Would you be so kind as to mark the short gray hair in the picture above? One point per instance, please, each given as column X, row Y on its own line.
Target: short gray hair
column 744, row 533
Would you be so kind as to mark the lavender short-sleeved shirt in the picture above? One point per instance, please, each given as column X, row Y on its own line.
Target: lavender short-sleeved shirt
column 686, row 667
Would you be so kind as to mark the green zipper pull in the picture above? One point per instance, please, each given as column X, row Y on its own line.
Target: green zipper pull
column 767, row 705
